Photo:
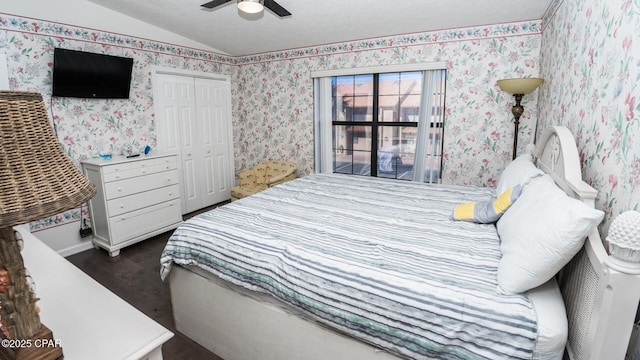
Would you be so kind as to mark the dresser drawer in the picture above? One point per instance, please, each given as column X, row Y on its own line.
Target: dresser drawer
column 138, row 168
column 126, row 187
column 152, row 167
column 116, row 168
column 140, row 222
column 167, row 160
column 140, row 200
column 116, row 175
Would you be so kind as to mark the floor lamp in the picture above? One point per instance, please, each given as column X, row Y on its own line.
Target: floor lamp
column 38, row 180
column 518, row 88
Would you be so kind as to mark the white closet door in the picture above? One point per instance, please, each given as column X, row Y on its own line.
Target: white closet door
column 189, row 145
column 213, row 131
column 166, row 106
column 193, row 119
column 174, row 98
column 168, row 123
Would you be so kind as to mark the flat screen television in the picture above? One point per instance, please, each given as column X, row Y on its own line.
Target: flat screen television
column 82, row 74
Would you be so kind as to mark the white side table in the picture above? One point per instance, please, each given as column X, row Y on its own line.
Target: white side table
column 88, row 320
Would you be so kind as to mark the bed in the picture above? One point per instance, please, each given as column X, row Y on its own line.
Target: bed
column 331, row 266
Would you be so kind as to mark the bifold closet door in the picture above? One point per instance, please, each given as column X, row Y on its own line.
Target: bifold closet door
column 193, row 119
column 212, row 98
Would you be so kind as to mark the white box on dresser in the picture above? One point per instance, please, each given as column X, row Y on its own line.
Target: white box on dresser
column 137, row 198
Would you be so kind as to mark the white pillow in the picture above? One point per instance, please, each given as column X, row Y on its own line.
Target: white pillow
column 540, row 233
column 519, row 172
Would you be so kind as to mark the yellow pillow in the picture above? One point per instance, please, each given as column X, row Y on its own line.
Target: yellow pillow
column 487, row 211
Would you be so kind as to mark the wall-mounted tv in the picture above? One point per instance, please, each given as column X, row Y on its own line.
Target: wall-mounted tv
column 89, row 75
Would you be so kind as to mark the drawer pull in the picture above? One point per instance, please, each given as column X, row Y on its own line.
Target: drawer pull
column 119, row 189
column 121, row 206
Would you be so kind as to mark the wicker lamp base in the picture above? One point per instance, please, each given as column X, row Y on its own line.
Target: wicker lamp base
column 42, row 346
column 24, row 335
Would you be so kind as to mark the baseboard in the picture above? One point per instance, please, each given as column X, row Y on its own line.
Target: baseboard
column 64, row 238
column 75, row 249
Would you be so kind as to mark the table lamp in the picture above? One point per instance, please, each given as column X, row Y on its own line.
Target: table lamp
column 38, row 180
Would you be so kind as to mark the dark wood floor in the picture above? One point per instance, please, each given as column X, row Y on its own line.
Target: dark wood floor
column 134, row 275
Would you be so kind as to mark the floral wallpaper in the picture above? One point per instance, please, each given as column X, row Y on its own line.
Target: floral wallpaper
column 274, row 94
column 85, row 126
column 591, row 64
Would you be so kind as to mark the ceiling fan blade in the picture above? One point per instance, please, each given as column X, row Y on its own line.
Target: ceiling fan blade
column 214, row 3
column 276, row 8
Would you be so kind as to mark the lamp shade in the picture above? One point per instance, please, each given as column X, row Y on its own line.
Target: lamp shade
column 37, row 177
column 520, row 85
column 251, row 6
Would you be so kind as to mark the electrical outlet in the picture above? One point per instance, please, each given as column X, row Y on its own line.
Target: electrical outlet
column 86, row 232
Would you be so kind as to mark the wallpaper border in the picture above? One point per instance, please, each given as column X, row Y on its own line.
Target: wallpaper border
column 403, row 40
column 60, row 30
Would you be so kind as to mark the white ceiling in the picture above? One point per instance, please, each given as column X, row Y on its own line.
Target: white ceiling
column 317, row 22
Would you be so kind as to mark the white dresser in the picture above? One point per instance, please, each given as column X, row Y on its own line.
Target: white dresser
column 137, row 198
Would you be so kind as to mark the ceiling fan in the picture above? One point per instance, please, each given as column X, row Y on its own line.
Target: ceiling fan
column 252, row 6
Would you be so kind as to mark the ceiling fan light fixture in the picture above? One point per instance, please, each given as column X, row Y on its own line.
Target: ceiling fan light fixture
column 251, row 6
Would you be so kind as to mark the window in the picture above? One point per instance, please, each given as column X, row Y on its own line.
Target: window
column 376, row 125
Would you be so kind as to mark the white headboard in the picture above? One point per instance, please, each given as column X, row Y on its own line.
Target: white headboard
column 601, row 300
column 557, row 155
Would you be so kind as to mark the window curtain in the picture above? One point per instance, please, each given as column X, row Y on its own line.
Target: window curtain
column 323, row 134
column 427, row 147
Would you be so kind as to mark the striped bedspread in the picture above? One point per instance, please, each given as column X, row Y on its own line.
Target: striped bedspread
column 377, row 259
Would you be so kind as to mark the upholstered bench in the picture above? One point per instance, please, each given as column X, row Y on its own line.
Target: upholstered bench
column 262, row 176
